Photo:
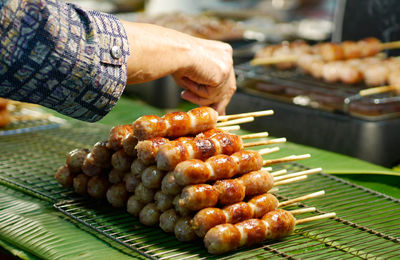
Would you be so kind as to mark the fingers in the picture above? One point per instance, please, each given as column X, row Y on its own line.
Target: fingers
column 230, row 89
column 192, row 97
column 220, row 101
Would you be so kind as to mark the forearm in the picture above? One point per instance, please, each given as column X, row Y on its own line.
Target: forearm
column 62, row 58
column 155, row 51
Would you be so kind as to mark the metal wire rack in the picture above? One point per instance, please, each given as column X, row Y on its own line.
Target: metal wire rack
column 30, row 160
column 316, row 93
column 366, row 226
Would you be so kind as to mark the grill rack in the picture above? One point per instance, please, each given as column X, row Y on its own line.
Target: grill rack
column 316, row 91
column 360, row 230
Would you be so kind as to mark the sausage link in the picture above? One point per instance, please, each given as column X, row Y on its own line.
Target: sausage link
column 117, row 195
column 131, row 181
column 144, row 194
column 169, row 185
column 121, row 160
column 247, row 161
column 116, row 176
column 64, row 176
column 163, row 201
column 149, row 215
column 134, row 206
column 75, row 159
column 80, row 182
column 225, row 192
column 148, row 149
column 199, row 196
column 102, row 154
column 117, row 135
column 183, row 230
column 128, row 145
column 90, row 167
column 227, row 237
column 257, row 182
column 152, row 177
column 97, row 187
column 229, row 191
column 175, row 124
column 257, row 207
column 168, row 220
column 149, row 126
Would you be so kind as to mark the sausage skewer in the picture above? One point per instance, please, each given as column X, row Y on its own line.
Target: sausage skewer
column 327, row 51
column 171, row 187
column 227, row 192
column 273, row 225
column 256, row 207
column 170, row 221
column 174, row 152
column 223, row 166
column 148, row 149
column 177, row 124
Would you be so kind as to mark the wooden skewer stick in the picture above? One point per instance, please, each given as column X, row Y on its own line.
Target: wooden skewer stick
column 273, row 190
column 305, row 197
column 268, row 150
column 273, row 60
column 268, row 169
column 265, row 142
column 377, row 90
column 286, row 159
column 236, row 121
column 291, row 175
column 277, row 173
column 323, row 216
column 303, row 210
column 253, row 136
column 230, row 128
column 300, row 178
column 390, row 45
column 253, row 114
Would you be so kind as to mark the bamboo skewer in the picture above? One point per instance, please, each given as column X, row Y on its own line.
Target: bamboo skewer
column 273, row 60
column 268, row 150
column 305, row 197
column 230, row 128
column 301, row 211
column 249, row 114
column 286, row 159
column 287, row 181
column 390, row 45
column 377, row 90
column 268, row 169
column 323, row 216
column 265, row 142
column 296, row 174
column 274, row 190
column 253, row 136
column 277, row 173
column 236, row 121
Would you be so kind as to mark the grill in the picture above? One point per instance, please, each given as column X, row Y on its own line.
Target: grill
column 285, row 85
column 366, row 225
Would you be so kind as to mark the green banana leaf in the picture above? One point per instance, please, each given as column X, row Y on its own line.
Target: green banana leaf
column 33, row 226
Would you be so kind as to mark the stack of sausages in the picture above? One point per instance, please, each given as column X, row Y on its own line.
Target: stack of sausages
column 177, row 172
column 349, row 62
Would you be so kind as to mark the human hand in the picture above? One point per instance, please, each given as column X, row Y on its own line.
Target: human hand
column 209, row 79
column 204, row 68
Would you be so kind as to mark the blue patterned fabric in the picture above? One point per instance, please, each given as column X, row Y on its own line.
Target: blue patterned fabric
column 58, row 55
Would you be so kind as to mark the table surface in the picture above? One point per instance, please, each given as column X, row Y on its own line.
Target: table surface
column 45, row 229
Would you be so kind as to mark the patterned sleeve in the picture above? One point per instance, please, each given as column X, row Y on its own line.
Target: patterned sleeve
column 62, row 57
